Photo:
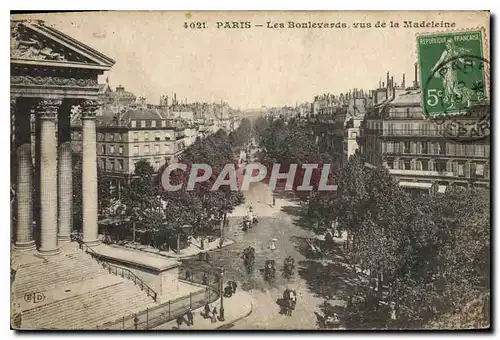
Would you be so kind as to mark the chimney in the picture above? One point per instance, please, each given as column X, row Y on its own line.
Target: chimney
column 415, row 83
column 403, row 84
column 380, row 84
column 175, row 99
column 392, row 85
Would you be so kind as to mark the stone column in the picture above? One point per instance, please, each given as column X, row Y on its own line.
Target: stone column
column 89, row 172
column 64, row 172
column 47, row 112
column 24, row 177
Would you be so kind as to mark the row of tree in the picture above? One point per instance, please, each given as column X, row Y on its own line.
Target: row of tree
column 423, row 255
column 288, row 144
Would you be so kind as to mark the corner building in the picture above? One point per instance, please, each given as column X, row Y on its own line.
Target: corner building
column 396, row 135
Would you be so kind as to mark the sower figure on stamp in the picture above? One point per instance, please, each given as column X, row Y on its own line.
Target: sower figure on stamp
column 453, row 89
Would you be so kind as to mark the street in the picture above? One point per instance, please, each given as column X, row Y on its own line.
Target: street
column 273, row 222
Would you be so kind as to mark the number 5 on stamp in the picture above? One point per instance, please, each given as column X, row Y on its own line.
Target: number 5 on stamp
column 452, row 71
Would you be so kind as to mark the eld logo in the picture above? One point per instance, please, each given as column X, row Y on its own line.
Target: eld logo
column 35, row 297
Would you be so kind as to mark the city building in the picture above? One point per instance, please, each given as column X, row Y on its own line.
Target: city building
column 417, row 151
column 356, row 110
column 135, row 133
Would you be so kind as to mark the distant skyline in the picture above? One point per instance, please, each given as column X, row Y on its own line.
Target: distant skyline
column 248, row 68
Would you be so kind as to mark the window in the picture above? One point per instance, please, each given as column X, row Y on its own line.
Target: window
column 120, row 165
column 480, row 170
column 157, row 165
column 100, row 136
column 354, row 134
column 112, row 164
column 390, row 164
column 418, row 147
column 479, row 150
column 103, row 149
column 146, row 136
column 153, row 123
column 441, row 148
column 112, row 149
column 136, row 136
column 390, row 129
column 134, row 123
column 120, row 149
column 461, row 170
column 102, row 164
column 146, row 149
column 157, row 136
column 167, row 148
column 424, row 148
column 406, row 147
column 413, row 147
column 157, row 148
column 163, row 123
column 143, row 123
column 460, row 150
column 430, row 165
column 136, row 149
column 407, row 164
column 111, row 136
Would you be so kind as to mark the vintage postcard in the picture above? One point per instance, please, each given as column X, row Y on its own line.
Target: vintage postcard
column 250, row 170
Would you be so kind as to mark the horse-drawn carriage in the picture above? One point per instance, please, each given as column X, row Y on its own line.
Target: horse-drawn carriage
column 289, row 301
column 248, row 257
column 249, row 219
column 289, row 266
column 270, row 269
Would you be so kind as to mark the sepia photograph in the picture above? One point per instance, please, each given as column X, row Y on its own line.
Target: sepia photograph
column 250, row 170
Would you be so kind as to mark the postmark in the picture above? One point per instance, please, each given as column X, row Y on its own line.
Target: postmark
column 455, row 83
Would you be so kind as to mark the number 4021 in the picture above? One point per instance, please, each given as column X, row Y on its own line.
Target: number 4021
column 195, row 24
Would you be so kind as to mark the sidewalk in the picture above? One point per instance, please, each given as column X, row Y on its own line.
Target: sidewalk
column 190, row 251
column 237, row 307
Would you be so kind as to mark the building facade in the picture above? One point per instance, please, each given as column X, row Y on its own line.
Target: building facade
column 137, row 133
column 418, row 151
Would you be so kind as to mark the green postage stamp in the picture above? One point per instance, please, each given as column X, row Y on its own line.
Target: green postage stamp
column 453, row 70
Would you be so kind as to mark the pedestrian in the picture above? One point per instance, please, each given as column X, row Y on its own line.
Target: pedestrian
column 189, row 315
column 207, row 311
column 214, row 315
column 207, row 257
column 136, row 321
column 205, row 280
column 179, row 321
column 234, row 286
column 188, row 275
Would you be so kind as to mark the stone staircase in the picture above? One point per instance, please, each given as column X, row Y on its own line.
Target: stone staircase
column 78, row 293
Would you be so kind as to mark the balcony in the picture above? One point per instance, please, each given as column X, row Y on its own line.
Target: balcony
column 421, row 173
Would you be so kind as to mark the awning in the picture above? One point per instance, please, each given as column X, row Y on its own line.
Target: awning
column 441, row 189
column 415, row 185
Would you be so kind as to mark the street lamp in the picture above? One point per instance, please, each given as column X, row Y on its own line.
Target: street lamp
column 221, row 316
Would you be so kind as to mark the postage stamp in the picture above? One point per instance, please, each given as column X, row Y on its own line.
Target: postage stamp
column 454, row 72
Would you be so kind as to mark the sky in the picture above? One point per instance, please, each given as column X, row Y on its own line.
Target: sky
column 249, row 68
